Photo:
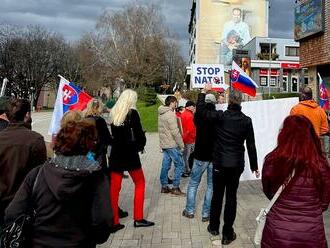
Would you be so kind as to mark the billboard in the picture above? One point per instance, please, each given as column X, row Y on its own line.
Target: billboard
column 208, row 73
column 309, row 18
column 241, row 21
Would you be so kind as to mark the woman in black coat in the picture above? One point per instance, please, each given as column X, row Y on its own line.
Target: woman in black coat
column 70, row 195
column 128, row 140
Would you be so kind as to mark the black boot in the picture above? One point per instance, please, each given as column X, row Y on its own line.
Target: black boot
column 122, row 213
column 143, row 223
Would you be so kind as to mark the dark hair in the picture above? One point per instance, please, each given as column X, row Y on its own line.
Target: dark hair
column 190, row 103
column 169, row 100
column 76, row 138
column 17, row 109
column 4, row 101
column 299, row 148
column 306, row 94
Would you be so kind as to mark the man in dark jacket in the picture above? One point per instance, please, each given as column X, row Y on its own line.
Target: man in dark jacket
column 20, row 151
column 202, row 160
column 232, row 129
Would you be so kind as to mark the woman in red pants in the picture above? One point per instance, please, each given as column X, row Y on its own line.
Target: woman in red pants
column 128, row 140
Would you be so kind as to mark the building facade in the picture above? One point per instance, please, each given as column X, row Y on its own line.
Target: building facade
column 315, row 48
column 275, row 65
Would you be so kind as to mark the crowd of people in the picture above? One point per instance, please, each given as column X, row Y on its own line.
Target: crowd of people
column 75, row 194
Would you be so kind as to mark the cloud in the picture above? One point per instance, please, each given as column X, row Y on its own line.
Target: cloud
column 72, row 18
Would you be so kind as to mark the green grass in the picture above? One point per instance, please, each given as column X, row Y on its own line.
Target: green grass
column 149, row 116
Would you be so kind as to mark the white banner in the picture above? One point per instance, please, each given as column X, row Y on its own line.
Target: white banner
column 208, row 73
column 267, row 118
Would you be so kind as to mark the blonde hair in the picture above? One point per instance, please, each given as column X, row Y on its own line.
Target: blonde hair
column 71, row 116
column 126, row 101
column 94, row 108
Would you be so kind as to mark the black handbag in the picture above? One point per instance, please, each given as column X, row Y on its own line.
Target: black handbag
column 16, row 234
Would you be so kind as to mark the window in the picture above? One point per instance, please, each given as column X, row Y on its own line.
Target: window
column 285, row 83
column 273, row 81
column 294, row 84
column 263, row 81
column 305, row 81
column 292, row 51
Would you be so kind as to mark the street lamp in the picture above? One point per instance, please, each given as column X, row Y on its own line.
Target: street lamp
column 269, row 67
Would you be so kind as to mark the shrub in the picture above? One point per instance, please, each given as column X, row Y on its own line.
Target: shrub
column 147, row 95
column 265, row 96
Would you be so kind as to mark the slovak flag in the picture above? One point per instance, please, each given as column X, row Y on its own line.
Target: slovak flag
column 69, row 97
column 241, row 81
column 324, row 95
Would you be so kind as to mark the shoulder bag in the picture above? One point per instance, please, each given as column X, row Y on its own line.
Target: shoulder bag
column 261, row 218
column 16, row 234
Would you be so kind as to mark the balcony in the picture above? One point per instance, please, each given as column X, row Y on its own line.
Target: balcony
column 265, row 56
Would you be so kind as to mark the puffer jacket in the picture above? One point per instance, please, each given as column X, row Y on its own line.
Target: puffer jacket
column 295, row 220
column 71, row 201
column 169, row 133
column 312, row 111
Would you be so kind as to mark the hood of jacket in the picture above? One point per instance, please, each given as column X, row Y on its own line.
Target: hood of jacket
column 309, row 103
column 164, row 109
column 66, row 175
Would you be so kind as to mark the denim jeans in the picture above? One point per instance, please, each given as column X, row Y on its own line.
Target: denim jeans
column 195, row 178
column 169, row 155
column 188, row 150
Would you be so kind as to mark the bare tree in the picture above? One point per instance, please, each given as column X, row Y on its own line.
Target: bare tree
column 131, row 44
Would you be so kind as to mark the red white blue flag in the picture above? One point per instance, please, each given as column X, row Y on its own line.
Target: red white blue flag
column 241, row 81
column 69, row 97
column 324, row 95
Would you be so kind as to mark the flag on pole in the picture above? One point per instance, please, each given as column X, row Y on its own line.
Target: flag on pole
column 324, row 95
column 241, row 81
column 69, row 97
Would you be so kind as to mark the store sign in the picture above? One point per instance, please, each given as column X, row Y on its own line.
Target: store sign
column 290, row 66
column 309, row 18
column 273, row 72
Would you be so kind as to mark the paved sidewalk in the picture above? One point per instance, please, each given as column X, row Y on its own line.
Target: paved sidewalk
column 172, row 230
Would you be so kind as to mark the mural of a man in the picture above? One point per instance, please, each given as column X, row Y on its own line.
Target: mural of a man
column 234, row 36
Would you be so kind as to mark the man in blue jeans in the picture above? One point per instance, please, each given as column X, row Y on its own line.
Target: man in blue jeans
column 202, row 161
column 171, row 144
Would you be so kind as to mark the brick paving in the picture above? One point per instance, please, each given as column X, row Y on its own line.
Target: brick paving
column 172, row 230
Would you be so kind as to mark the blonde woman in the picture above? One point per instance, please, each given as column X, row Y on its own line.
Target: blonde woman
column 128, row 140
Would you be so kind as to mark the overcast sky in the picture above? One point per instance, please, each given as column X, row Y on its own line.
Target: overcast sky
column 72, row 18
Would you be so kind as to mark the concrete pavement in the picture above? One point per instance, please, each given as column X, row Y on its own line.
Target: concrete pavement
column 172, row 230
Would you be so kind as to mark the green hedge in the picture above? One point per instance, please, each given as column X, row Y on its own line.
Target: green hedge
column 265, row 96
column 147, row 95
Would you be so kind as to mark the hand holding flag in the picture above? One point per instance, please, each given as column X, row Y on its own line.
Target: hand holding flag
column 69, row 97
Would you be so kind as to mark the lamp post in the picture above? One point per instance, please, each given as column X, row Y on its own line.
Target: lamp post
column 269, row 68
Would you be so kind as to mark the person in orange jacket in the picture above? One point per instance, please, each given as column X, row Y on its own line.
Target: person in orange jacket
column 311, row 110
column 189, row 134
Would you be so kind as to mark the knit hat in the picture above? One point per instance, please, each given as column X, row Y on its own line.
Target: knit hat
column 210, row 98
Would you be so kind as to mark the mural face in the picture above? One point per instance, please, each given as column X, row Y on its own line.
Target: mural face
column 242, row 21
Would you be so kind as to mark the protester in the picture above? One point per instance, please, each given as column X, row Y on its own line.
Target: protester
column 312, row 111
column 202, row 161
column 171, row 144
column 189, row 134
column 70, row 196
column 128, row 140
column 4, row 122
column 94, row 111
column 21, row 150
column 232, row 129
column 295, row 220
